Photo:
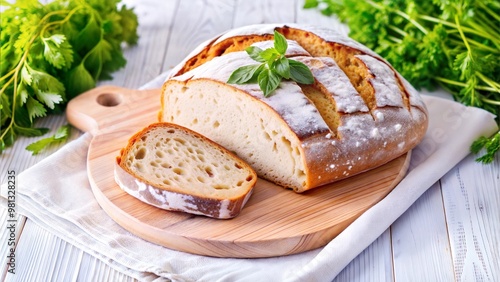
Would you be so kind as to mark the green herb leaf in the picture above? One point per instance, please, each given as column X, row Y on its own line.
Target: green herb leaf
column 270, row 55
column 282, row 67
column 25, row 75
column 275, row 66
column 35, row 109
column 254, row 53
column 39, row 145
column 62, row 132
column 9, row 137
column 61, row 135
column 464, row 64
column 245, row 74
column 492, row 145
column 49, row 99
column 268, row 81
column 280, row 43
column 22, row 93
column 78, row 81
column 311, row 4
column 300, row 73
column 5, row 111
column 30, row 132
column 57, row 51
column 53, row 51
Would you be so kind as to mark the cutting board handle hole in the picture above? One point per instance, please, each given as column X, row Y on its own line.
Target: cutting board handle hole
column 109, row 99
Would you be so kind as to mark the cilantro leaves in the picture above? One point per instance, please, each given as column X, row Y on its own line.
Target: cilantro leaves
column 452, row 44
column 273, row 68
column 61, row 135
column 51, row 53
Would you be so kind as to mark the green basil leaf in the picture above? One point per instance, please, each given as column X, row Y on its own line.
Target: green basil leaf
column 300, row 73
column 245, row 74
column 282, row 67
column 270, row 55
column 254, row 53
column 268, row 81
column 280, row 43
column 256, row 73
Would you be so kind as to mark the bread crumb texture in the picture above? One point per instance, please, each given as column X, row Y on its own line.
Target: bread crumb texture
column 174, row 168
column 357, row 115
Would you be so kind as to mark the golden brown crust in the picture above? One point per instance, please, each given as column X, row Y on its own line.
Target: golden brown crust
column 395, row 122
column 341, row 158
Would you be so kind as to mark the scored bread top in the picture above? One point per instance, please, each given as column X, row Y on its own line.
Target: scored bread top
column 318, row 41
column 358, row 114
column 288, row 100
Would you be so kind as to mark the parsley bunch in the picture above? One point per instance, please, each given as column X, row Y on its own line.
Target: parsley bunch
column 454, row 44
column 273, row 68
column 51, row 53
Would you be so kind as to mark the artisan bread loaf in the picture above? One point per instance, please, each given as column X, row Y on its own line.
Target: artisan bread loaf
column 174, row 168
column 357, row 115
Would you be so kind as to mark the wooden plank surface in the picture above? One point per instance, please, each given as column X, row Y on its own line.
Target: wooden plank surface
column 421, row 239
column 471, row 225
column 194, row 22
column 471, row 197
column 263, row 11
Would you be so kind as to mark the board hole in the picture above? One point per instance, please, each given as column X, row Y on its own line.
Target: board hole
column 109, row 99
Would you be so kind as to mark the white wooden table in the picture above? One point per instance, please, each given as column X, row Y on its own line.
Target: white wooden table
column 450, row 234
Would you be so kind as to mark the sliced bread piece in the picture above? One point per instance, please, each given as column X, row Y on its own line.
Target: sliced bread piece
column 174, row 168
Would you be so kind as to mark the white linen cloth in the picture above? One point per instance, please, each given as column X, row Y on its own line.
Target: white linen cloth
column 56, row 195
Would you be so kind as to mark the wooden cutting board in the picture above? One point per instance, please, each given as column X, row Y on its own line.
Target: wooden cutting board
column 274, row 222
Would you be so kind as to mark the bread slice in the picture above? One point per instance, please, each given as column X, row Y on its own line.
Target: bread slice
column 359, row 113
column 174, row 168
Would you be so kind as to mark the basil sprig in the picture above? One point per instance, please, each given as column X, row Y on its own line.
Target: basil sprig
column 273, row 67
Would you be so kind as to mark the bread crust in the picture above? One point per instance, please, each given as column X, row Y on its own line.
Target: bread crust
column 176, row 198
column 363, row 138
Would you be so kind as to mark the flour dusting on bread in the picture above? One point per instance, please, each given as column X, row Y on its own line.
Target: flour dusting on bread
column 357, row 115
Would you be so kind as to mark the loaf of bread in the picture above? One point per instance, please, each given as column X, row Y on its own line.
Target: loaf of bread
column 357, row 115
column 174, row 168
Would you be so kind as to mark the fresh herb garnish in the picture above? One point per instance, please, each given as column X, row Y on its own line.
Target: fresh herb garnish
column 491, row 145
column 273, row 68
column 61, row 135
column 454, row 44
column 53, row 52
